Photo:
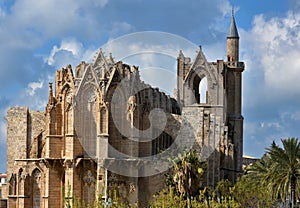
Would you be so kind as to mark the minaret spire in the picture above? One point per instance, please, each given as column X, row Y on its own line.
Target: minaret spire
column 232, row 32
column 232, row 41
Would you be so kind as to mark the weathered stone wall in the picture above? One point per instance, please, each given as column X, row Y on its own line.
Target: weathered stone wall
column 17, row 136
column 36, row 128
column 217, row 123
column 54, row 188
column 232, row 49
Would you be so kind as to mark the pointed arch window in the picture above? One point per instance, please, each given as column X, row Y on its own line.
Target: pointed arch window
column 203, row 90
column 89, row 122
column 86, row 120
column 200, row 89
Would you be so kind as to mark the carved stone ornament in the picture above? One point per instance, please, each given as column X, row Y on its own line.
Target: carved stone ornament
column 89, row 178
column 68, row 163
column 146, row 107
column 131, row 188
column 69, row 101
column 23, row 176
column 37, row 176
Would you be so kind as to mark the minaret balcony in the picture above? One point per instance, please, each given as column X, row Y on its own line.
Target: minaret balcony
column 235, row 64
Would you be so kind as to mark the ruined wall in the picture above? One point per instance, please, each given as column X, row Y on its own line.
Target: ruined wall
column 36, row 128
column 23, row 130
column 131, row 102
column 217, row 122
column 17, row 136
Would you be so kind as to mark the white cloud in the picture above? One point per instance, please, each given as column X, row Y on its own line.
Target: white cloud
column 154, row 42
column 98, row 3
column 3, row 125
column 2, row 13
column 68, row 45
column 272, row 46
column 275, row 125
column 155, row 53
column 35, row 96
column 296, row 116
column 219, row 25
column 118, row 28
column 271, row 125
column 33, row 86
column 225, row 8
column 71, row 52
column 260, row 135
column 2, row 132
column 29, row 23
column 293, row 116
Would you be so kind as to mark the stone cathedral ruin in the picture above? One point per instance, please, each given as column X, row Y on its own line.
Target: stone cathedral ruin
column 103, row 128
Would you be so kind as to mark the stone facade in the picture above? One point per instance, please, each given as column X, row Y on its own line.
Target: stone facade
column 3, row 195
column 103, row 128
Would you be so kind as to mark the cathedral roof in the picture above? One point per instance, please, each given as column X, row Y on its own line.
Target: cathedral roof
column 232, row 32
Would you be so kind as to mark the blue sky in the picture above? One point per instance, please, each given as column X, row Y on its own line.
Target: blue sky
column 38, row 37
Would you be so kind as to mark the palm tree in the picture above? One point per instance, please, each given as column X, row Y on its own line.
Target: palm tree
column 188, row 170
column 280, row 168
column 258, row 170
column 256, row 185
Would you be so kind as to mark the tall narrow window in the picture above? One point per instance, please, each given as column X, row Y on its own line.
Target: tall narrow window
column 203, row 90
column 103, row 121
column 89, row 187
column 13, row 185
column 36, row 188
column 88, row 122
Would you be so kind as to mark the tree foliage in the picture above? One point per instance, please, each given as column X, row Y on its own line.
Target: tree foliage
column 116, row 202
column 279, row 170
column 224, row 189
column 168, row 198
column 269, row 182
column 185, row 188
column 187, row 172
column 250, row 192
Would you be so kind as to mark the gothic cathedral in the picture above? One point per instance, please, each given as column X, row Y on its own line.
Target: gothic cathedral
column 103, row 128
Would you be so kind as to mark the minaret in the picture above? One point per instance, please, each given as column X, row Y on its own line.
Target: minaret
column 233, row 41
column 234, row 118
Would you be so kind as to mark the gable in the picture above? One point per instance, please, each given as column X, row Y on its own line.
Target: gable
column 201, row 68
